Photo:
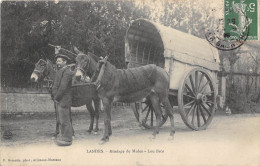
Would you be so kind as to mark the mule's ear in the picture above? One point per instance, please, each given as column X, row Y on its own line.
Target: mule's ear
column 76, row 50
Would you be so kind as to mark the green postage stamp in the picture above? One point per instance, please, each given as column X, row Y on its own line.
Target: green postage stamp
column 240, row 18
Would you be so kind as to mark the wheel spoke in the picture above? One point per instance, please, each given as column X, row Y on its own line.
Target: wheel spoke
column 147, row 114
column 138, row 109
column 189, row 96
column 202, row 114
column 192, row 83
column 206, row 109
column 196, row 81
column 208, row 93
column 191, row 108
column 187, row 86
column 198, row 116
column 203, row 88
column 145, row 108
column 152, row 116
column 189, row 103
column 202, row 75
column 209, row 102
column 193, row 115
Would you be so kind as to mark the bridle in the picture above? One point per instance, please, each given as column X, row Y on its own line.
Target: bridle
column 86, row 65
column 42, row 73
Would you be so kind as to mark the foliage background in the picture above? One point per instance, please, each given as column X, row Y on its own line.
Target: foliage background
column 99, row 27
column 28, row 26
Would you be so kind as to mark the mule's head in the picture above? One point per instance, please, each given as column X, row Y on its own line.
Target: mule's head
column 82, row 62
column 39, row 70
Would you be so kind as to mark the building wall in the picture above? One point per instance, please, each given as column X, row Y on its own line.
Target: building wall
column 28, row 103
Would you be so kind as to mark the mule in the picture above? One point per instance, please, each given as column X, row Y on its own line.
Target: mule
column 129, row 85
column 45, row 69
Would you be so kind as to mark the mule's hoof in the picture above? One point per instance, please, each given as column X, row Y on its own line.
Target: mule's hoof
column 73, row 137
column 54, row 136
column 153, row 137
column 103, row 141
column 89, row 131
column 171, row 138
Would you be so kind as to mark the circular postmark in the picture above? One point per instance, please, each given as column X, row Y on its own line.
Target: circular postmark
column 233, row 30
column 222, row 42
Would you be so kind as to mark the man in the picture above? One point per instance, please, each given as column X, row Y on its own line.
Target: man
column 62, row 93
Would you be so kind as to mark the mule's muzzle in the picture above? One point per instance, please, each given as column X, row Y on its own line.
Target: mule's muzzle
column 34, row 78
column 78, row 77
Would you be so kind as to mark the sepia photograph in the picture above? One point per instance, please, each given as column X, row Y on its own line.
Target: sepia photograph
column 130, row 82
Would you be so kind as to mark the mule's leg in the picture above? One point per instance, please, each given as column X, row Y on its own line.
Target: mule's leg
column 107, row 119
column 92, row 114
column 158, row 112
column 97, row 110
column 170, row 112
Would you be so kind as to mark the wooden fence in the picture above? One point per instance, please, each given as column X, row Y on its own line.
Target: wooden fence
column 242, row 91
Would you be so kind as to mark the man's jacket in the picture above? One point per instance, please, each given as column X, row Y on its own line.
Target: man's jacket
column 62, row 90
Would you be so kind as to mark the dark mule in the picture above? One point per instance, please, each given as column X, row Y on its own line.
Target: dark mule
column 130, row 85
column 45, row 69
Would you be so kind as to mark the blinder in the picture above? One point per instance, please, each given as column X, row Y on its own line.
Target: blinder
column 40, row 67
column 86, row 65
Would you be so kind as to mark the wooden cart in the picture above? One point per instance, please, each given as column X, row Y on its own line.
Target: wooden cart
column 191, row 62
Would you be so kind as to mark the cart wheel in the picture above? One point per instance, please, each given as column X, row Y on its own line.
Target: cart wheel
column 197, row 99
column 148, row 115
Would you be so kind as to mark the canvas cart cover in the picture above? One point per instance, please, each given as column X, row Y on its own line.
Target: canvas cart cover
column 149, row 42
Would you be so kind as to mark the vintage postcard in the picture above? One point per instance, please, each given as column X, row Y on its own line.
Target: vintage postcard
column 157, row 82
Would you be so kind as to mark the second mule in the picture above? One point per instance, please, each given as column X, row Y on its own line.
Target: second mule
column 130, row 85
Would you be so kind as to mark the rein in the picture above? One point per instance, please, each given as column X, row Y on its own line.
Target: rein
column 45, row 75
column 97, row 82
column 37, row 71
column 48, row 76
column 82, row 68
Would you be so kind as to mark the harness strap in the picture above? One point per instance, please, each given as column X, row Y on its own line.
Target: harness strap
column 101, row 73
column 37, row 71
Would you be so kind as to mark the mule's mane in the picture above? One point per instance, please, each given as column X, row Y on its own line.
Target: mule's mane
column 49, row 61
column 96, row 58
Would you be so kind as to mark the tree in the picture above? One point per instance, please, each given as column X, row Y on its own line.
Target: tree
column 28, row 27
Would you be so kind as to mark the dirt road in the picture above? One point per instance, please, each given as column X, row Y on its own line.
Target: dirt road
column 229, row 140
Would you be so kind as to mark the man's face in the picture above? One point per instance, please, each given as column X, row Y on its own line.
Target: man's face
column 61, row 62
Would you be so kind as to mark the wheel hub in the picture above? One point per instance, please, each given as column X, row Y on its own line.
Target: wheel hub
column 201, row 98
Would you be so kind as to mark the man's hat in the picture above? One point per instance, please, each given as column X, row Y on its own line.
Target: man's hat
column 63, row 53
